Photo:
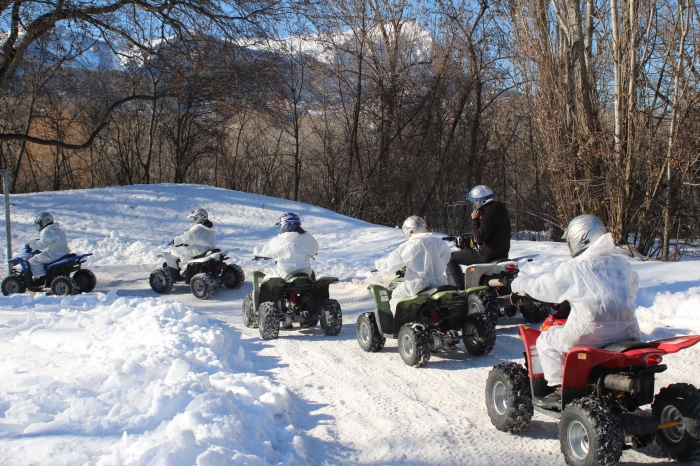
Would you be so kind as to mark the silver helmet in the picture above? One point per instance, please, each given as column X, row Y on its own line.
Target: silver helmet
column 414, row 224
column 583, row 231
column 198, row 215
column 480, row 195
column 44, row 219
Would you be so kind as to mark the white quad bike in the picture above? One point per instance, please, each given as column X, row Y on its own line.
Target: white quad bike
column 204, row 273
column 497, row 276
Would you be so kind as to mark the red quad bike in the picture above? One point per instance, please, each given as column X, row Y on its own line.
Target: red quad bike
column 603, row 390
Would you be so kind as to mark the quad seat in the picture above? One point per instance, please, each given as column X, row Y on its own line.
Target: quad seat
column 206, row 253
column 622, row 346
column 438, row 289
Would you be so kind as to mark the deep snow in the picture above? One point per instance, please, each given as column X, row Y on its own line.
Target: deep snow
column 126, row 377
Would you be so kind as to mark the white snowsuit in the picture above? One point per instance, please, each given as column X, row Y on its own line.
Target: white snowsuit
column 53, row 245
column 425, row 258
column 601, row 288
column 292, row 251
column 199, row 239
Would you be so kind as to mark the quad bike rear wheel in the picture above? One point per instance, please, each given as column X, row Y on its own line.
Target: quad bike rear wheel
column 161, row 280
column 414, row 345
column 64, row 286
column 368, row 336
column 233, row 276
column 484, row 302
column 331, row 317
column 590, row 434
column 678, row 402
column 268, row 321
column 13, row 285
column 202, row 286
column 535, row 313
column 249, row 318
column 479, row 334
column 85, row 279
column 508, row 398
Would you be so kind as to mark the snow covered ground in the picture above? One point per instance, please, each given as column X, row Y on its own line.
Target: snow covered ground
column 128, row 377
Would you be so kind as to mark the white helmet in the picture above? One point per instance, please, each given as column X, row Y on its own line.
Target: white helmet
column 414, row 224
column 583, row 231
column 44, row 219
column 198, row 215
column 480, row 195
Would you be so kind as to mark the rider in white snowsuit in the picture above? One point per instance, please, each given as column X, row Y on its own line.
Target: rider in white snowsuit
column 200, row 238
column 424, row 256
column 601, row 287
column 292, row 248
column 52, row 243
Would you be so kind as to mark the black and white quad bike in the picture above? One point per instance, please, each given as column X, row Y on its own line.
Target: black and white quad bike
column 426, row 322
column 204, row 274
column 497, row 276
column 301, row 299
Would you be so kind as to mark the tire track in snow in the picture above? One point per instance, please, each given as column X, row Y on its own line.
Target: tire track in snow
column 370, row 408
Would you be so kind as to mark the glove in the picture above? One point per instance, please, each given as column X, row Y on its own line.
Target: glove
column 27, row 248
column 515, row 299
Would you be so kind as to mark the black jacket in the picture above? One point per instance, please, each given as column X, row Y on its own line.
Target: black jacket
column 492, row 231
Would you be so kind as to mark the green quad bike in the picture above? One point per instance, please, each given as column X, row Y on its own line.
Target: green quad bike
column 426, row 322
column 278, row 303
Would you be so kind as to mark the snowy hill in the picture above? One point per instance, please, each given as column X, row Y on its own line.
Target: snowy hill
column 123, row 376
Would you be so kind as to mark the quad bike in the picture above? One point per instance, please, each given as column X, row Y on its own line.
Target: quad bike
column 599, row 412
column 204, row 273
column 58, row 275
column 277, row 304
column 497, row 276
column 425, row 322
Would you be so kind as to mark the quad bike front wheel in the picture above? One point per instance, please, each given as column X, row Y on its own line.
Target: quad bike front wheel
column 414, row 345
column 679, row 402
column 249, row 317
column 484, row 302
column 367, row 332
column 85, row 279
column 202, row 286
column 13, row 285
column 508, row 398
column 331, row 317
column 479, row 334
column 160, row 280
column 233, row 276
column 64, row 286
column 268, row 321
column 535, row 313
column 589, row 434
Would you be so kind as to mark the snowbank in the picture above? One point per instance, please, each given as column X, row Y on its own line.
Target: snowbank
column 171, row 386
column 671, row 314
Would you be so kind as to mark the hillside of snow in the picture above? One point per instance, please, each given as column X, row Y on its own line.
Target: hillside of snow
column 124, row 376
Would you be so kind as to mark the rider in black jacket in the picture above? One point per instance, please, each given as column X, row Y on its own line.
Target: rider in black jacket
column 491, row 230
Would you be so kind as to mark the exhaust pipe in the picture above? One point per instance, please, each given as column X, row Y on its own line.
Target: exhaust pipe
column 623, row 383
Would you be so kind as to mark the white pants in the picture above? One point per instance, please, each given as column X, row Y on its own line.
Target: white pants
column 187, row 253
column 38, row 268
column 552, row 355
column 399, row 293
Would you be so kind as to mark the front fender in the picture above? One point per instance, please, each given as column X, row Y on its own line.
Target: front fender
column 170, row 259
column 23, row 263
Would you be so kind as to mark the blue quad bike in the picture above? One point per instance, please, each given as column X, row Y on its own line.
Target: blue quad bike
column 58, row 276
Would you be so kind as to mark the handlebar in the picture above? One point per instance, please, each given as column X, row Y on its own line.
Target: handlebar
column 257, row 258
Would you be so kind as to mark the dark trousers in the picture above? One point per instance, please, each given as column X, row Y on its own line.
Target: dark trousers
column 465, row 257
